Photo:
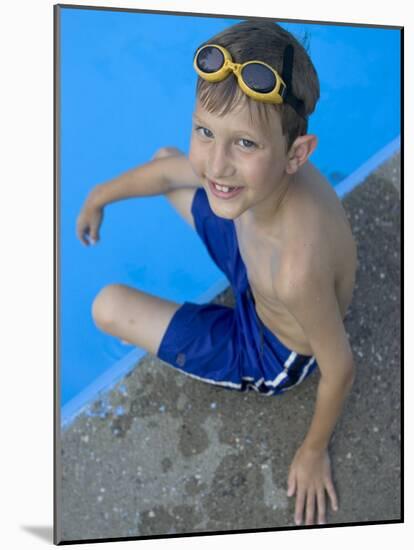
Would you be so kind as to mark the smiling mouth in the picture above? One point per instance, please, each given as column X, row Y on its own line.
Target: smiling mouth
column 223, row 191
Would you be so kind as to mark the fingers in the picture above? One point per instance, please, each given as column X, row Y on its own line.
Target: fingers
column 81, row 231
column 84, row 237
column 81, row 236
column 309, row 486
column 310, row 507
column 88, row 224
column 87, row 234
column 315, row 507
column 300, row 503
column 93, row 237
column 291, row 485
column 320, row 495
column 87, row 238
column 313, row 501
column 332, row 495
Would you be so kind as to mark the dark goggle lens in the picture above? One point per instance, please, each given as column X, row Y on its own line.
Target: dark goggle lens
column 210, row 60
column 259, row 78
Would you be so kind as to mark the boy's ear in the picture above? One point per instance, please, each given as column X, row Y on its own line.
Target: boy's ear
column 300, row 151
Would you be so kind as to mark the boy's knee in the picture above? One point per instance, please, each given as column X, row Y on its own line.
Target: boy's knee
column 104, row 305
column 167, row 152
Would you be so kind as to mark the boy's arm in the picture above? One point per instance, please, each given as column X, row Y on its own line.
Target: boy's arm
column 310, row 296
column 156, row 177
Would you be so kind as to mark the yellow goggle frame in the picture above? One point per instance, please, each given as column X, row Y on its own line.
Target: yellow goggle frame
column 274, row 96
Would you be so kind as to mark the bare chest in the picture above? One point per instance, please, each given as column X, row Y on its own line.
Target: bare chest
column 263, row 259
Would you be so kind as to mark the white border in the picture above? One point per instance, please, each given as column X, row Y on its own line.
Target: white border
column 27, row 269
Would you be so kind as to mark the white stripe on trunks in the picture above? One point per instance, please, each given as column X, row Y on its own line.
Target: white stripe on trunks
column 290, row 360
column 281, row 376
column 259, row 382
column 302, row 376
column 210, row 381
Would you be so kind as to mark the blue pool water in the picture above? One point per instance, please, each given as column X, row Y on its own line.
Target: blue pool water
column 127, row 88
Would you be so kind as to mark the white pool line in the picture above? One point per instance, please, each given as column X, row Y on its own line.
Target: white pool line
column 122, row 367
column 357, row 177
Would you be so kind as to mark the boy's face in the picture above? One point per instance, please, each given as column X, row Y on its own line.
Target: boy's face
column 235, row 151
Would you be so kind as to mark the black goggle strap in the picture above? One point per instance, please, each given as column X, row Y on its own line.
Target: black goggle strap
column 288, row 97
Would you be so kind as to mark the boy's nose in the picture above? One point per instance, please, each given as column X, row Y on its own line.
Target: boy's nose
column 220, row 165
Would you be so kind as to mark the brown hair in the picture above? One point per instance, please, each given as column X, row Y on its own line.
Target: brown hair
column 266, row 41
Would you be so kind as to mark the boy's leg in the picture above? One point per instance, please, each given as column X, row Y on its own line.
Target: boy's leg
column 133, row 315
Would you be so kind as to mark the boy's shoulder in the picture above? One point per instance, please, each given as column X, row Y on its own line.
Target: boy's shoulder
column 314, row 213
column 314, row 225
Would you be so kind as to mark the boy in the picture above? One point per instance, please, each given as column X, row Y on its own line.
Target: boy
column 273, row 225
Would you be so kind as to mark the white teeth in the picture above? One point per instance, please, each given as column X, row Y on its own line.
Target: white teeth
column 223, row 188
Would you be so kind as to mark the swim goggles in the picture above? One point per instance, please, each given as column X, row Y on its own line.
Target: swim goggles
column 257, row 79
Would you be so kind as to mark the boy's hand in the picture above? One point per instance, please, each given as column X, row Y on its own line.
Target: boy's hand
column 89, row 222
column 309, row 477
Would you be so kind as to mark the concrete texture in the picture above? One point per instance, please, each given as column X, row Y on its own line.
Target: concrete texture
column 166, row 454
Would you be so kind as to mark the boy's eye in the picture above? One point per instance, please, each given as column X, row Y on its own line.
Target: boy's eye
column 247, row 144
column 205, row 132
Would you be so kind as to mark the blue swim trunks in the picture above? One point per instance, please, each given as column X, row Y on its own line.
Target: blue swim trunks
column 225, row 346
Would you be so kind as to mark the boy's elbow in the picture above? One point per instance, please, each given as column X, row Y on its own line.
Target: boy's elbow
column 343, row 375
column 346, row 367
column 349, row 367
column 348, row 374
